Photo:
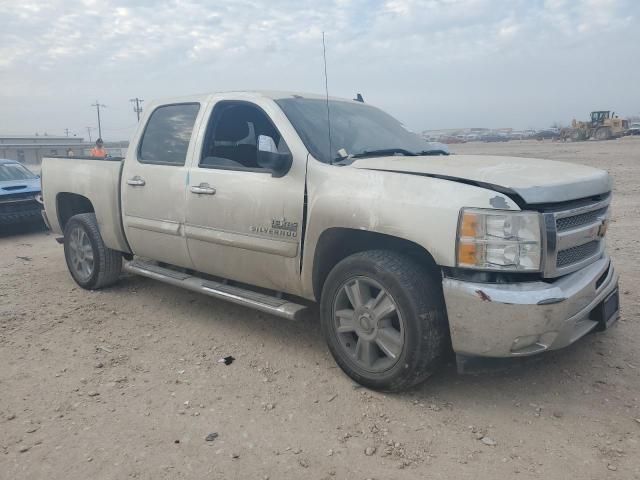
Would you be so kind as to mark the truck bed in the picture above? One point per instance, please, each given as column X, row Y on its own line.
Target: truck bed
column 97, row 180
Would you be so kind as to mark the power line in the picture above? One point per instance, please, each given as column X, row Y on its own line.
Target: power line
column 98, row 105
column 137, row 106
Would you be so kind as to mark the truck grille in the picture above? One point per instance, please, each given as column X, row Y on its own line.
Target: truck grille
column 567, row 223
column 575, row 237
column 577, row 254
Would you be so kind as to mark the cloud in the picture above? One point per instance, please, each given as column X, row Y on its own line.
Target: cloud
column 531, row 62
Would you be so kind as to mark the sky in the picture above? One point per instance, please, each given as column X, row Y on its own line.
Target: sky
column 430, row 63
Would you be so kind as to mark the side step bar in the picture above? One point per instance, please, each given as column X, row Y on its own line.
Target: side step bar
column 241, row 296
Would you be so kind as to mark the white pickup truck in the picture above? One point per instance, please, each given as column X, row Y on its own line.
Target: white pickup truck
column 251, row 197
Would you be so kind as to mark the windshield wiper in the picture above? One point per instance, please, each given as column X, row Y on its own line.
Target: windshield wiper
column 388, row 152
column 385, row 152
column 433, row 152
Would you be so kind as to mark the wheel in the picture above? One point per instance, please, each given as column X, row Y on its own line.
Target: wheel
column 91, row 264
column 603, row 133
column 384, row 320
column 578, row 136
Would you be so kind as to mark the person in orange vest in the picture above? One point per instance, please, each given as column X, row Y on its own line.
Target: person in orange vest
column 99, row 150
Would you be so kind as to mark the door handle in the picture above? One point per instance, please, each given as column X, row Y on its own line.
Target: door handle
column 136, row 181
column 203, row 189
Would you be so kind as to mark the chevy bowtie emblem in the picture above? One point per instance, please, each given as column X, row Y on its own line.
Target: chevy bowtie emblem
column 602, row 229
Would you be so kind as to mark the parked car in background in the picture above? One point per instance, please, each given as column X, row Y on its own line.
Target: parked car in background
column 550, row 134
column 20, row 194
column 634, row 129
column 521, row 134
column 450, row 139
column 494, row 137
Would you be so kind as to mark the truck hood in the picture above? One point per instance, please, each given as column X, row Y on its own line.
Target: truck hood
column 533, row 180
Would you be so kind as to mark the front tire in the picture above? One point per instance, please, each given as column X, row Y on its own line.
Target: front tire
column 603, row 133
column 384, row 320
column 91, row 264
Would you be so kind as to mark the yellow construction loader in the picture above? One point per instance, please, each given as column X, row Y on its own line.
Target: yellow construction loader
column 603, row 125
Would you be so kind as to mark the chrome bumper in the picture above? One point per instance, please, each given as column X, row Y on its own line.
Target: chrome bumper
column 508, row 320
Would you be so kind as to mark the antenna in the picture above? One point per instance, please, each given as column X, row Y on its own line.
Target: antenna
column 326, row 90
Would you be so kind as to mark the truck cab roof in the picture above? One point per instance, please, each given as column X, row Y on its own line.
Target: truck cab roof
column 247, row 95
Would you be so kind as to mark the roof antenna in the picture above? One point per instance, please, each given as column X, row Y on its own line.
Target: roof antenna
column 326, row 90
column 359, row 98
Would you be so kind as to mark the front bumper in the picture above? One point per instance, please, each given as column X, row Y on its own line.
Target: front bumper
column 22, row 211
column 508, row 320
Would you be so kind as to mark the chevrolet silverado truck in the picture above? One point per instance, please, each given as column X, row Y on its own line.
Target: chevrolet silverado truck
column 277, row 200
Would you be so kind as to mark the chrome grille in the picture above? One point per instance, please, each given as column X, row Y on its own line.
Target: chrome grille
column 574, row 237
column 577, row 254
column 567, row 223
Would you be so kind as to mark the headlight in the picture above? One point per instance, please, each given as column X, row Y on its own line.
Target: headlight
column 499, row 240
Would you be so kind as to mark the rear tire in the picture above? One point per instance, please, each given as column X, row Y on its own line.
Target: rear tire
column 91, row 264
column 396, row 334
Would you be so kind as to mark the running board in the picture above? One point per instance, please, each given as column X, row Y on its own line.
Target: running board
column 265, row 303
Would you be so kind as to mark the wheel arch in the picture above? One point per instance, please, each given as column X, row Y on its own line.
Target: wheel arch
column 69, row 204
column 335, row 244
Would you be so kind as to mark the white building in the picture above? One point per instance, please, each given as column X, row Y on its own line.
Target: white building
column 29, row 149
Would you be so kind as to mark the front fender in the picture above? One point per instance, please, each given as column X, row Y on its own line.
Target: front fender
column 419, row 209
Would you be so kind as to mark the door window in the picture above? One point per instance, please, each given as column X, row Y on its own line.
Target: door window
column 232, row 137
column 167, row 135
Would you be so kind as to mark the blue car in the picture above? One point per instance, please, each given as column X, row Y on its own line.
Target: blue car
column 20, row 194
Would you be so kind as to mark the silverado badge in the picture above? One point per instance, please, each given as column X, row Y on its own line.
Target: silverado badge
column 280, row 227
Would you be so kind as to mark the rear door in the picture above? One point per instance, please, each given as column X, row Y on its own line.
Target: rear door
column 242, row 222
column 154, row 180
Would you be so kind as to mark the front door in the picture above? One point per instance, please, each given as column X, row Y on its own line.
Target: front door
column 242, row 222
column 153, row 185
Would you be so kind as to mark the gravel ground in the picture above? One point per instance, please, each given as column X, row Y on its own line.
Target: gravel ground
column 125, row 382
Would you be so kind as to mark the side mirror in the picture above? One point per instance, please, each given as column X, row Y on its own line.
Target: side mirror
column 270, row 159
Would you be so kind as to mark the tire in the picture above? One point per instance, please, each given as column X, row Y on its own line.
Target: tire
column 91, row 264
column 578, row 136
column 603, row 133
column 387, row 352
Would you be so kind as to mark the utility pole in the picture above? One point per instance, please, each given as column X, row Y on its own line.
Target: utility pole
column 98, row 105
column 66, row 132
column 137, row 107
column 89, row 132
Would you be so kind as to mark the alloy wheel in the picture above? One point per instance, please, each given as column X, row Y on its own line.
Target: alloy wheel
column 368, row 324
column 81, row 254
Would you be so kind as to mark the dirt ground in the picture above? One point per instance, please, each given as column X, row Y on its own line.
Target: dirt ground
column 125, row 382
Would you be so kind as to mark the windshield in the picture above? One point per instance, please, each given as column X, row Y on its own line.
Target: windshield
column 14, row 171
column 356, row 129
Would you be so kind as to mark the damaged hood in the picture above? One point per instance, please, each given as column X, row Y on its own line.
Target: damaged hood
column 534, row 180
